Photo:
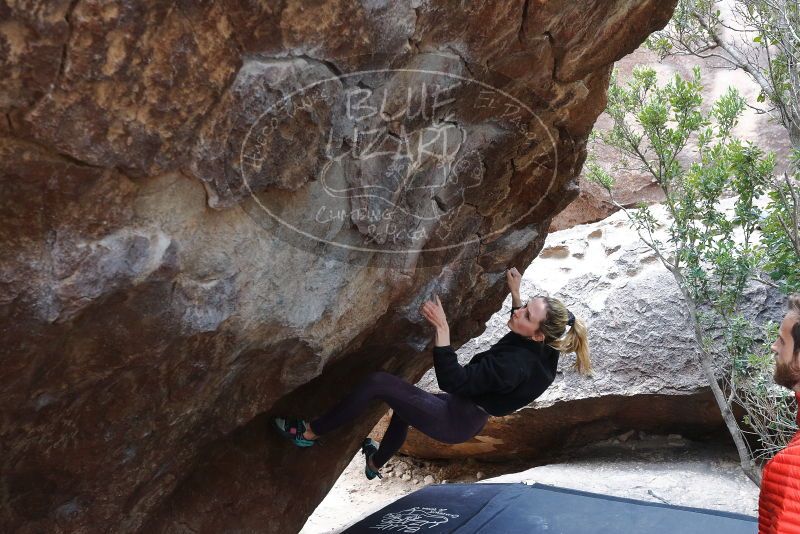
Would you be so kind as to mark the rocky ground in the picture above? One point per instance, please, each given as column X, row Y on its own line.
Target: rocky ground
column 667, row 469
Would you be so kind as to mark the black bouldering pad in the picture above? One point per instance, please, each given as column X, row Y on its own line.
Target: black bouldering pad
column 509, row 508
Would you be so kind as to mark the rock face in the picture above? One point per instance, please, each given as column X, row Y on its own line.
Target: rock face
column 646, row 372
column 216, row 212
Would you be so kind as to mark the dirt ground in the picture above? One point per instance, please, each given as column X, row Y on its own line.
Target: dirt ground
column 666, row 469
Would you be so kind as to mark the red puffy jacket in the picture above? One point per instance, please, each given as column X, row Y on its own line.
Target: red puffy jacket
column 779, row 502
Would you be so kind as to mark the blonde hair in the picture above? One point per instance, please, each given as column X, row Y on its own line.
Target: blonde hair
column 554, row 326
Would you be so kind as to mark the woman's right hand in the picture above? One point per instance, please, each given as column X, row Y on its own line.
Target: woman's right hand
column 433, row 311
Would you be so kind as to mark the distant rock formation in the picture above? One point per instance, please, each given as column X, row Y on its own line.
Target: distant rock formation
column 215, row 212
column 632, row 187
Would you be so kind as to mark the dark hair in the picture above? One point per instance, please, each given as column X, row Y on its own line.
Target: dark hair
column 788, row 374
column 794, row 308
column 555, row 325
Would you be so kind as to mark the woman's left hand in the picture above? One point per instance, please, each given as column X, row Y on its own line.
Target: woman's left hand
column 514, row 279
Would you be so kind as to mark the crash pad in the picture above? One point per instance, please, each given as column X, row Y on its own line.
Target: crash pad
column 508, row 508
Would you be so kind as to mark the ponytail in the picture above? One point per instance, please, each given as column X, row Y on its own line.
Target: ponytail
column 575, row 340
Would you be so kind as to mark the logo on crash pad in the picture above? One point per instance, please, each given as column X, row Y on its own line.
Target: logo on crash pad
column 414, row 519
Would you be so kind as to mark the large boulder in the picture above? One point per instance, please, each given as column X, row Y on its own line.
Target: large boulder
column 215, row 212
column 647, row 374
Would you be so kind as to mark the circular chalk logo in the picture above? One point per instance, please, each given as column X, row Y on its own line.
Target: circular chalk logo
column 402, row 161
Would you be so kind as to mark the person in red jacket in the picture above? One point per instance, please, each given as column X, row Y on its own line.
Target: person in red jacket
column 779, row 501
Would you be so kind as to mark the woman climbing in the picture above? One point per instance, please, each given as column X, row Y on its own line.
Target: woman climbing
column 510, row 375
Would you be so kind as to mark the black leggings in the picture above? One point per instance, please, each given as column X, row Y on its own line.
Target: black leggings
column 442, row 416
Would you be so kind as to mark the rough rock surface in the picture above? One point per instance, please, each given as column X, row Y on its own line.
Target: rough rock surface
column 646, row 372
column 160, row 161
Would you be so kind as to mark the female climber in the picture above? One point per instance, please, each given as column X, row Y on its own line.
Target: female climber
column 510, row 375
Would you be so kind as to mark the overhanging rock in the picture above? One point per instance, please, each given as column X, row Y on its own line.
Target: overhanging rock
column 210, row 214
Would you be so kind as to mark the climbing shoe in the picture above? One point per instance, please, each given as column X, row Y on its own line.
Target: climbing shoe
column 293, row 429
column 368, row 448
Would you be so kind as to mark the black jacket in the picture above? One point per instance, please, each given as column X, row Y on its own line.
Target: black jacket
column 508, row 376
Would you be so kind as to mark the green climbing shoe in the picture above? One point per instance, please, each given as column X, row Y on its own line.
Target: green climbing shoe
column 368, row 448
column 293, row 429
